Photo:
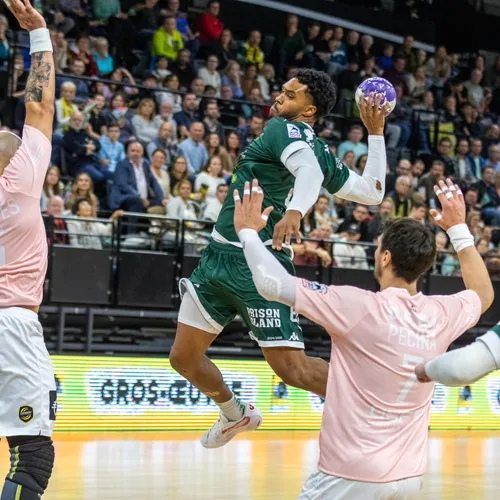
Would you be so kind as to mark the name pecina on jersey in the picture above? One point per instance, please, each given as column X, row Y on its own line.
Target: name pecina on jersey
column 410, row 338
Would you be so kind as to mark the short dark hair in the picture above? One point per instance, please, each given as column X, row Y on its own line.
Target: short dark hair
column 412, row 246
column 444, row 139
column 76, row 206
column 320, row 87
column 419, row 204
column 114, row 125
column 159, row 150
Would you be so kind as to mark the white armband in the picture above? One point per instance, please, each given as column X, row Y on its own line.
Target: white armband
column 460, row 237
column 40, row 41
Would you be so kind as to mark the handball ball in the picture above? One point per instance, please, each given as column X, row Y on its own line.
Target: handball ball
column 378, row 86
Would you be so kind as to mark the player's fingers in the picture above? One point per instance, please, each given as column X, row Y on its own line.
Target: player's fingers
column 378, row 100
column 266, row 213
column 257, row 195
column 441, row 191
column 369, row 105
column 246, row 194
column 452, row 190
column 10, row 6
column 435, row 215
column 460, row 196
column 279, row 232
column 237, row 200
column 298, row 236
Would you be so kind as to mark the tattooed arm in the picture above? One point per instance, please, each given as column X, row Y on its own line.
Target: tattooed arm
column 40, row 92
column 40, row 87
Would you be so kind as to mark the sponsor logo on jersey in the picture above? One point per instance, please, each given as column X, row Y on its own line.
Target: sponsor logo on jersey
column 294, row 337
column 26, row 414
column 314, row 286
column 339, row 164
column 264, row 318
column 293, row 131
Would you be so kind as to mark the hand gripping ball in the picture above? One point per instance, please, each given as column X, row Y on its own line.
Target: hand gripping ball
column 378, row 86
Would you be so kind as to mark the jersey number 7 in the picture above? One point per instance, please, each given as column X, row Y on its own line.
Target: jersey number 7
column 409, row 362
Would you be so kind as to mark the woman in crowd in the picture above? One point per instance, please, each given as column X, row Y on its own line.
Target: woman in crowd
column 214, row 148
column 416, row 83
column 361, row 164
column 209, row 178
column 348, row 159
column 102, row 58
column 475, row 224
column 226, row 49
column 233, row 145
column 249, row 81
column 158, row 159
column 232, row 78
column 182, row 207
column 52, row 186
column 178, row 171
column 85, row 234
column 171, row 83
column 123, row 75
column 267, row 80
column 145, row 121
column 83, row 188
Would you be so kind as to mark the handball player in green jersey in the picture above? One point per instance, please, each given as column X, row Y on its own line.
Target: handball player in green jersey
column 291, row 165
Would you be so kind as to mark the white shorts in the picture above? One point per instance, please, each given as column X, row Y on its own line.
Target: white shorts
column 28, row 396
column 192, row 312
column 320, row 486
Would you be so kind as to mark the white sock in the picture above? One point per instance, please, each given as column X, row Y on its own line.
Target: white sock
column 466, row 365
column 232, row 409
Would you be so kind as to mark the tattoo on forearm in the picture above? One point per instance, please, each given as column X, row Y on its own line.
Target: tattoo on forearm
column 38, row 78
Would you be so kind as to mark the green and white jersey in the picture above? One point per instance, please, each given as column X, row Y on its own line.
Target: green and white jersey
column 265, row 160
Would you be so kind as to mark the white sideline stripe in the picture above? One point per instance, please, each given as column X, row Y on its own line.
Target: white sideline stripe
column 325, row 18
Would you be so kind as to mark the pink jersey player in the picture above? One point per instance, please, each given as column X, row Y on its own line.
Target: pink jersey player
column 374, row 432
column 28, row 395
column 373, row 398
column 23, row 243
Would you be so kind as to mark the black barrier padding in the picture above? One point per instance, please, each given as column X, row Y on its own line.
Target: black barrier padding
column 353, row 277
column 447, row 285
column 310, row 273
column 189, row 264
column 145, row 279
column 80, row 276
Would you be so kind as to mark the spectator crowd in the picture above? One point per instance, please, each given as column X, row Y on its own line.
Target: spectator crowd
column 155, row 105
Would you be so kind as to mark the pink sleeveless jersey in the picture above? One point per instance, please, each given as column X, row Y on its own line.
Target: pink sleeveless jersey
column 23, row 243
column 376, row 413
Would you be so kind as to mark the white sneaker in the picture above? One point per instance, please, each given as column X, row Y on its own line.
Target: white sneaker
column 224, row 430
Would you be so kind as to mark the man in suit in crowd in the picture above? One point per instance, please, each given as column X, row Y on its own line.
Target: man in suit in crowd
column 135, row 188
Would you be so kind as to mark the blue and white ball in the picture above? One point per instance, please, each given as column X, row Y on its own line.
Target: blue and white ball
column 377, row 85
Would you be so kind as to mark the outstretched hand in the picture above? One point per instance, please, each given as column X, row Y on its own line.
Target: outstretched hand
column 452, row 203
column 28, row 17
column 248, row 213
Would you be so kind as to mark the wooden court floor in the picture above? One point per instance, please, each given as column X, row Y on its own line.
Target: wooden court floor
column 262, row 465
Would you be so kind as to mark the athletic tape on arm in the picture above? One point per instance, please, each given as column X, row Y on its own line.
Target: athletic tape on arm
column 271, row 279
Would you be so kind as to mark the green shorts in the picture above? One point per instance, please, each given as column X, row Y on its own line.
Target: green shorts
column 222, row 287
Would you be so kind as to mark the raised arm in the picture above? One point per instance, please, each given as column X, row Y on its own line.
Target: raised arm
column 452, row 220
column 40, row 87
column 271, row 279
column 369, row 188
